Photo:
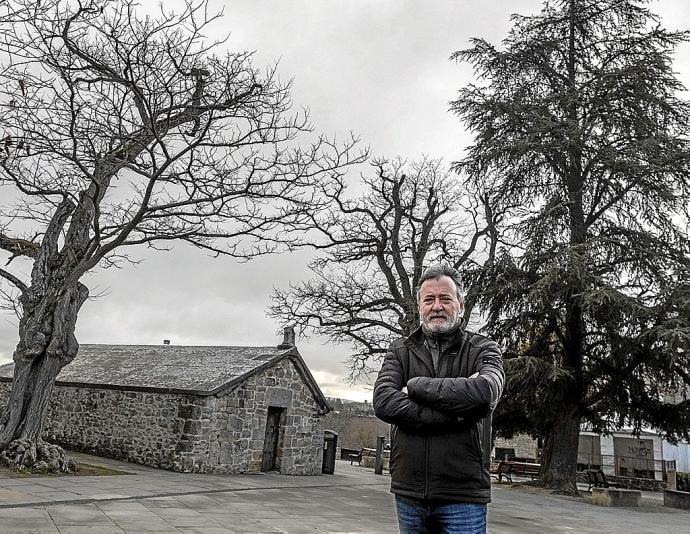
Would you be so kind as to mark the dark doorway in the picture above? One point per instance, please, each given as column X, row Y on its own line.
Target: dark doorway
column 268, row 462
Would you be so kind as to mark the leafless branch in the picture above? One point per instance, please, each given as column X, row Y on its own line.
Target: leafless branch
column 375, row 247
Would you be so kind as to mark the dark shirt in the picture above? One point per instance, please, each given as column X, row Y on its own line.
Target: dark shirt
column 437, row 343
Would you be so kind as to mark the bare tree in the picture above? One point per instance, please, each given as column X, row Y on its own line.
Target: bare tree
column 121, row 130
column 375, row 248
column 355, row 431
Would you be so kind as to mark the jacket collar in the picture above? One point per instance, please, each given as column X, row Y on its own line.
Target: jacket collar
column 417, row 337
column 415, row 342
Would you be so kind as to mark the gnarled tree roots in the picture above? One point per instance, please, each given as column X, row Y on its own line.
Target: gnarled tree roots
column 37, row 457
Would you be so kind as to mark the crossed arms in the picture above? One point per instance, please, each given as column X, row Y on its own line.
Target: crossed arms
column 437, row 403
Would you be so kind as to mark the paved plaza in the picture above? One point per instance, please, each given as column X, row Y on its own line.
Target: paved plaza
column 353, row 500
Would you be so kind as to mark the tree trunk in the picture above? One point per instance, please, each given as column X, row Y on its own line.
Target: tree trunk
column 559, row 462
column 560, row 452
column 559, row 470
column 46, row 344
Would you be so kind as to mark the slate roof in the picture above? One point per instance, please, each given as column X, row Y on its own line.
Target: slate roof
column 201, row 370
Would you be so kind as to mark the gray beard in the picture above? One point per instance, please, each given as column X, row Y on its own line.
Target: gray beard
column 450, row 324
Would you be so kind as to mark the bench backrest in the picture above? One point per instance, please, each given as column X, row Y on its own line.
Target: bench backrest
column 523, row 468
column 503, row 467
column 597, row 478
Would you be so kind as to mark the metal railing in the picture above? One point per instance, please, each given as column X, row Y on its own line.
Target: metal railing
column 626, row 466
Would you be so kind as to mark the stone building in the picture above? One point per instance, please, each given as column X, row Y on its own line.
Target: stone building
column 191, row 409
column 520, row 446
column 622, row 454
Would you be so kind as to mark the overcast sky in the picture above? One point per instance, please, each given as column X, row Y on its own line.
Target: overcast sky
column 377, row 68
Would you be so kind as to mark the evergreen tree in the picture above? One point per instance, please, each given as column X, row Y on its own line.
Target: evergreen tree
column 581, row 136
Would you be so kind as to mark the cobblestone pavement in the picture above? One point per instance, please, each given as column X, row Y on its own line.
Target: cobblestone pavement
column 352, row 500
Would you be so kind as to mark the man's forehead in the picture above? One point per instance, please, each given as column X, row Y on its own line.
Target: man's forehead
column 442, row 284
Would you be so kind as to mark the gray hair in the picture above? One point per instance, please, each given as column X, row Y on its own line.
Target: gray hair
column 437, row 271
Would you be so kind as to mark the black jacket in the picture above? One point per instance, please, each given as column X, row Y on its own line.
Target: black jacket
column 441, row 433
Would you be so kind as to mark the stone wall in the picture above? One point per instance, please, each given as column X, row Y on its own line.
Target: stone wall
column 523, row 445
column 677, row 499
column 141, row 427
column 191, row 433
column 233, row 439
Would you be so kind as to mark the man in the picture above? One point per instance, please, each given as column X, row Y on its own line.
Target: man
column 438, row 388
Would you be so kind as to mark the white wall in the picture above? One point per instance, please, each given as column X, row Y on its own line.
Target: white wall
column 608, row 466
column 662, row 451
column 680, row 453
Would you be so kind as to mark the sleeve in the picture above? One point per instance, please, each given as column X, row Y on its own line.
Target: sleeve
column 394, row 406
column 463, row 397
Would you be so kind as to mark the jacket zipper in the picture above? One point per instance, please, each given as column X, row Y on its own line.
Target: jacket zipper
column 435, row 373
column 426, row 474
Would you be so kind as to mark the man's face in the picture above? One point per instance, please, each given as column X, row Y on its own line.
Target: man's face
column 439, row 306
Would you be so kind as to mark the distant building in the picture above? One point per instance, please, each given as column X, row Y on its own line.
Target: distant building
column 619, row 454
column 350, row 407
column 190, row 409
column 627, row 455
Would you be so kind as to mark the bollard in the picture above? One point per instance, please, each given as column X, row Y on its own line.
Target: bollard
column 378, row 466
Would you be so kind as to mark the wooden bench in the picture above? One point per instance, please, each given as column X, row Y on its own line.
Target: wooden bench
column 363, row 452
column 597, row 479
column 345, row 453
column 509, row 468
column 500, row 470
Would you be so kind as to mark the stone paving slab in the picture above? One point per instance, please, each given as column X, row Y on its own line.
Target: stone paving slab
column 352, row 500
column 66, row 515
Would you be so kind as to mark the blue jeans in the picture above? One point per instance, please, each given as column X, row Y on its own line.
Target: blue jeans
column 417, row 517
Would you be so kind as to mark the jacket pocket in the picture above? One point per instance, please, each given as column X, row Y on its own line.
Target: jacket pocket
column 455, row 463
column 407, row 461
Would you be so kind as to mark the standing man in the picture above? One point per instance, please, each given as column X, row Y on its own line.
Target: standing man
column 438, row 388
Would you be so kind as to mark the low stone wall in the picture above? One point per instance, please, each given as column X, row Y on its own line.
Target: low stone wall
column 646, row 484
column 191, row 433
column 677, row 499
column 370, row 462
column 616, row 497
